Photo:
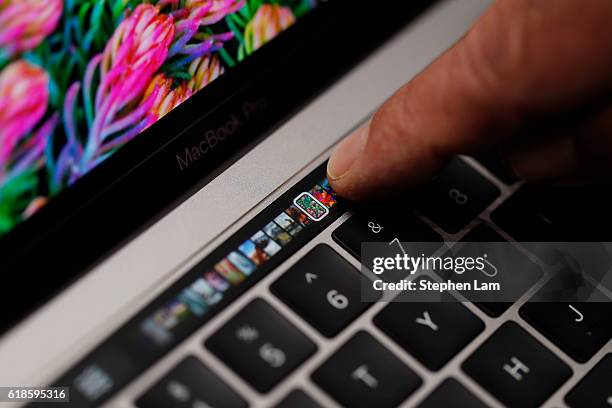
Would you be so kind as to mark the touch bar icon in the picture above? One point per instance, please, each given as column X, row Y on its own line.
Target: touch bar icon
column 313, row 208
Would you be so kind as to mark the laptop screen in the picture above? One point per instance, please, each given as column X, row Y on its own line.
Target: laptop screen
column 114, row 112
column 79, row 79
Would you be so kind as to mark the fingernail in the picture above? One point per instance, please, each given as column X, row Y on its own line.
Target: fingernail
column 346, row 153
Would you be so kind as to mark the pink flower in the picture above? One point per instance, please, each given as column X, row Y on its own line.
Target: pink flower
column 24, row 95
column 137, row 49
column 194, row 14
column 216, row 10
column 168, row 96
column 267, row 23
column 204, row 70
column 35, row 206
column 25, row 23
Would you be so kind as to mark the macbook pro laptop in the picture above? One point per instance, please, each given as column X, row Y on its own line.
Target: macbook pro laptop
column 168, row 237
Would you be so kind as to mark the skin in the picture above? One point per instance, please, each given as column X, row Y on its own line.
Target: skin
column 531, row 77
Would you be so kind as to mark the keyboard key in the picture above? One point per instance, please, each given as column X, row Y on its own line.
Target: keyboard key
column 580, row 329
column 456, row 196
column 484, row 233
column 385, row 222
column 493, row 309
column 556, row 214
column 494, row 162
column 451, row 393
column 595, row 389
column 516, row 368
column 298, row 399
column 432, row 332
column 392, row 222
column 363, row 373
column 190, row 385
column 589, row 258
column 261, row 345
column 324, row 289
column 520, row 274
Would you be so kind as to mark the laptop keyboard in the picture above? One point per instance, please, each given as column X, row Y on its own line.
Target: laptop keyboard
column 580, row 329
column 363, row 373
column 594, row 389
column 393, row 223
column 304, row 338
column 298, row 399
column 261, row 346
column 543, row 214
column 525, row 272
column 191, row 384
column 324, row 289
column 431, row 332
column 456, row 197
column 451, row 390
column 517, row 369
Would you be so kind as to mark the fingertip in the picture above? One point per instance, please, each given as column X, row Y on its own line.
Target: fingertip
column 344, row 158
column 346, row 153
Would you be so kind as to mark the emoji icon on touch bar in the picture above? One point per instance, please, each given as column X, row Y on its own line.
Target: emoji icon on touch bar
column 312, row 207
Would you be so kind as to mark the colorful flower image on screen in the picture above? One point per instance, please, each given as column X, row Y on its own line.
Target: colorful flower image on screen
column 81, row 78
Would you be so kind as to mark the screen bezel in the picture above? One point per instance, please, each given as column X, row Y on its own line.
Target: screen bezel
column 49, row 248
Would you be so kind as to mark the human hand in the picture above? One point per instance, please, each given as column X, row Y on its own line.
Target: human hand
column 532, row 77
